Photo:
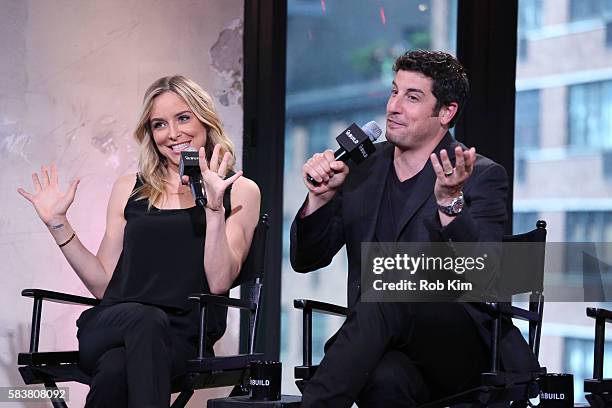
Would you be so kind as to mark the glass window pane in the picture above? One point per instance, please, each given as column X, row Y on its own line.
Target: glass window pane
column 563, row 145
column 527, row 128
column 339, row 59
column 590, row 114
column 585, row 9
column 578, row 360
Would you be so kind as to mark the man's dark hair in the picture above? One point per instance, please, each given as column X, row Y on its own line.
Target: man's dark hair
column 450, row 82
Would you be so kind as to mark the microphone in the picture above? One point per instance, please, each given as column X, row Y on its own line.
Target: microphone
column 355, row 143
column 190, row 166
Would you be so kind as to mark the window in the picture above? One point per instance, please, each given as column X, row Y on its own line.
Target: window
column 589, row 9
column 590, row 114
column 285, row 338
column 607, row 164
column 522, row 51
column 524, row 221
column 527, row 120
column 319, row 336
column 309, row 8
column 530, row 18
column 589, row 226
column 318, row 135
column 339, row 59
column 530, row 14
column 526, row 129
column 563, row 133
column 286, row 232
column 578, row 356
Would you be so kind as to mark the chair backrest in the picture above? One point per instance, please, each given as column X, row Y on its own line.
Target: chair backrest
column 251, row 275
column 523, row 272
column 523, row 265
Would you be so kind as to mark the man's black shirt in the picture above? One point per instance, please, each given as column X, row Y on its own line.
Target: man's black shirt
column 395, row 196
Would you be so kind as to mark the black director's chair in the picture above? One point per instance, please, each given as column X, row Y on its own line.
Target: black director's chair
column 49, row 368
column 599, row 389
column 496, row 386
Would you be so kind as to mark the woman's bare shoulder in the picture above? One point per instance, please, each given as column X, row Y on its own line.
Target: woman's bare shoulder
column 123, row 188
column 125, row 182
column 246, row 189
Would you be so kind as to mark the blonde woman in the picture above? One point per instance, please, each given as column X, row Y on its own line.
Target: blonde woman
column 158, row 248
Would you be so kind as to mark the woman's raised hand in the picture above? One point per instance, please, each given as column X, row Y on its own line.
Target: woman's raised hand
column 50, row 202
column 213, row 177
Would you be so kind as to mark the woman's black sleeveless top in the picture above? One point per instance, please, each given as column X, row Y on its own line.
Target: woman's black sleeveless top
column 162, row 261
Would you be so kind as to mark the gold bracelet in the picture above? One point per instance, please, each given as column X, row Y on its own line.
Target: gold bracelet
column 68, row 241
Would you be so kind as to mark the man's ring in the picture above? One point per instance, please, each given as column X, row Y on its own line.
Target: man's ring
column 449, row 173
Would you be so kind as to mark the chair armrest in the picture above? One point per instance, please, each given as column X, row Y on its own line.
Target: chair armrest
column 308, row 306
column 205, row 299
column 320, row 307
column 39, row 295
column 510, row 311
column 59, row 297
column 601, row 316
column 598, row 313
column 496, row 310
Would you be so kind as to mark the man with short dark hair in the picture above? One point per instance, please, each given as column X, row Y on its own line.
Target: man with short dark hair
column 419, row 186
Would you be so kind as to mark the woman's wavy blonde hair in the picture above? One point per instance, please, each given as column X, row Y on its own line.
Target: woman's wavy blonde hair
column 152, row 166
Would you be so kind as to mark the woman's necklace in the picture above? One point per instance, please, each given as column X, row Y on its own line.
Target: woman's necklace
column 180, row 190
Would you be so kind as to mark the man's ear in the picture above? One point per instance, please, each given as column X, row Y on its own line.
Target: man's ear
column 448, row 112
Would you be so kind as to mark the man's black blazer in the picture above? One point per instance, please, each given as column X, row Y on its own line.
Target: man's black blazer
column 350, row 219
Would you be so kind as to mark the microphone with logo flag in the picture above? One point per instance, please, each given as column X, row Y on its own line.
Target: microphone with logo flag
column 355, row 143
column 190, row 166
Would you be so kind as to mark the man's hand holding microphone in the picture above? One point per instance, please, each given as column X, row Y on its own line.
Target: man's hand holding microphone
column 329, row 174
column 325, row 172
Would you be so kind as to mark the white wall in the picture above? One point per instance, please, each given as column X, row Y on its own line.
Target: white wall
column 72, row 77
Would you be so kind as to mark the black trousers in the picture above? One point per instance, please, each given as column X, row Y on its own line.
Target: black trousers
column 132, row 352
column 398, row 355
